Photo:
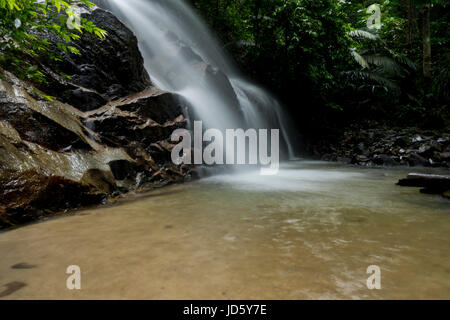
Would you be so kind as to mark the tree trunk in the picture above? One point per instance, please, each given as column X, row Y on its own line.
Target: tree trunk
column 256, row 22
column 426, row 36
column 409, row 16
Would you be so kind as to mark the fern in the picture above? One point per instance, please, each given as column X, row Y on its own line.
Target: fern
column 362, row 35
column 380, row 66
column 374, row 79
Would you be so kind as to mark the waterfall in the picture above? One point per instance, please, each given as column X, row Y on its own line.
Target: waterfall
column 182, row 56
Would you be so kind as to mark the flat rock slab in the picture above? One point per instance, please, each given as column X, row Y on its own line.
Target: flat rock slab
column 431, row 183
column 424, row 180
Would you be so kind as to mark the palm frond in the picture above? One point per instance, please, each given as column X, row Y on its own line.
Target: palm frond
column 387, row 64
column 400, row 58
column 373, row 77
column 362, row 34
column 441, row 83
column 359, row 59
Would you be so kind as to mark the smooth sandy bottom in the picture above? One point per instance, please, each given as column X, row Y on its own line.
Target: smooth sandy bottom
column 308, row 233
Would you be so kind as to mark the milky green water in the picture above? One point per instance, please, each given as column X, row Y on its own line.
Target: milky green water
column 309, row 233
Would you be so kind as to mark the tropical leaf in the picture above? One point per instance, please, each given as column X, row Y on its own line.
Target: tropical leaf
column 362, row 34
column 359, row 59
column 373, row 78
column 387, row 64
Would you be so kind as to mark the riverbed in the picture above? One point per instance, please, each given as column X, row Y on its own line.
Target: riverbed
column 310, row 232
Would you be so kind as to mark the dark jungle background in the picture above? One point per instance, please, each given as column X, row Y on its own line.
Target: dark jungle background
column 331, row 70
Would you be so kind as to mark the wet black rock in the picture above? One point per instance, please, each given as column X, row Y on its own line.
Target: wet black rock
column 55, row 157
column 122, row 169
column 430, row 183
column 33, row 124
column 414, row 160
column 49, row 161
column 107, row 68
column 384, row 159
column 107, row 133
column 361, row 159
column 443, row 156
column 387, row 147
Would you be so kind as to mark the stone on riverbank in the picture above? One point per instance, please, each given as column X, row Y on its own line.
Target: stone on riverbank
column 387, row 147
column 431, row 183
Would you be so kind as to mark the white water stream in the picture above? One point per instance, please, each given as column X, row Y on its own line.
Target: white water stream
column 177, row 47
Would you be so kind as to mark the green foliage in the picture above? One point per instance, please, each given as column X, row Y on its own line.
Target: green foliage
column 289, row 45
column 23, row 24
column 320, row 57
column 380, row 67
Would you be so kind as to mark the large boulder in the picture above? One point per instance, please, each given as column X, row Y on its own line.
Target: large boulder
column 106, row 69
column 106, row 132
column 48, row 157
column 142, row 124
column 431, row 183
column 52, row 159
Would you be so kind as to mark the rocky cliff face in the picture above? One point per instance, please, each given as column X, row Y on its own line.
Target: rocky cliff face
column 107, row 68
column 106, row 133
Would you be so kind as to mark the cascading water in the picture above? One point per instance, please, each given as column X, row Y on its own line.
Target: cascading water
column 180, row 53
